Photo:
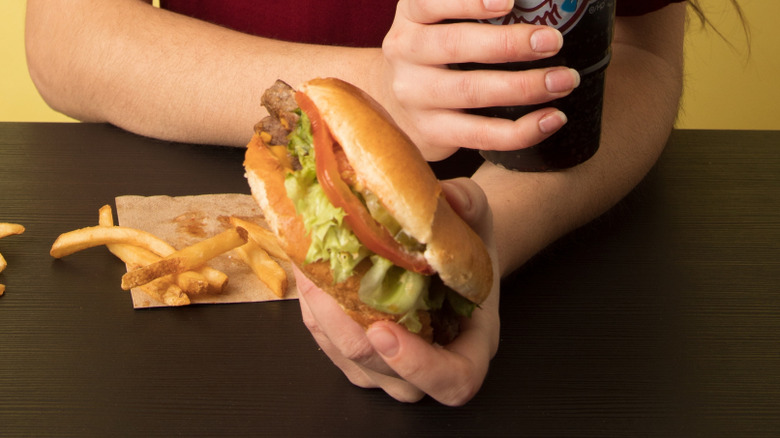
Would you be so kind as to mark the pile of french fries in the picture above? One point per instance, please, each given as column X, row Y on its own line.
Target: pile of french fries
column 7, row 229
column 171, row 276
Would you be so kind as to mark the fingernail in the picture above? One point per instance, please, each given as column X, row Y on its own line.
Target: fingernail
column 561, row 80
column 552, row 122
column 546, row 40
column 384, row 341
column 498, row 5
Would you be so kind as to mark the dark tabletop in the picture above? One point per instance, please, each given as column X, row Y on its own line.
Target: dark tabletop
column 662, row 318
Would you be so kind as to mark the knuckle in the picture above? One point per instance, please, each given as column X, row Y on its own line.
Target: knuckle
column 359, row 378
column 461, row 394
column 469, row 91
column 479, row 136
column 311, row 323
column 463, row 389
column 521, row 85
column 507, row 43
column 449, row 39
column 414, row 371
column 403, row 91
column 357, row 350
column 391, row 45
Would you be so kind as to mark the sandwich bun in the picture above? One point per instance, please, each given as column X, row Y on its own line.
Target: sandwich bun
column 387, row 163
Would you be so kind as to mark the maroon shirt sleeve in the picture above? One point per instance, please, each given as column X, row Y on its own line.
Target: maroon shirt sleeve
column 333, row 22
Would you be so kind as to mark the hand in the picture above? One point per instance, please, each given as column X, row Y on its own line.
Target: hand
column 430, row 96
column 387, row 356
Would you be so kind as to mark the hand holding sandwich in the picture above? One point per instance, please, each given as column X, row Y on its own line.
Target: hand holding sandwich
column 388, row 261
column 389, row 357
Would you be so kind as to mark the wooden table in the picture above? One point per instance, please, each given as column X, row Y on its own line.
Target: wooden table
column 662, row 318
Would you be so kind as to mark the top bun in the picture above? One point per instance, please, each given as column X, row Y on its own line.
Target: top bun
column 389, row 164
column 384, row 158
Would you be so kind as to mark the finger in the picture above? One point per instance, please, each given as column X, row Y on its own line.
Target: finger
column 395, row 387
column 450, row 378
column 359, row 375
column 484, row 321
column 456, row 89
column 434, row 11
column 475, row 42
column 470, row 203
column 437, row 153
column 329, row 321
column 356, row 375
column 448, row 128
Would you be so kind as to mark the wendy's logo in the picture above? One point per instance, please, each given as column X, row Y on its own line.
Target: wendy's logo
column 560, row 14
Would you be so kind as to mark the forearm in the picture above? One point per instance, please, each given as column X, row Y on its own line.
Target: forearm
column 644, row 81
column 166, row 75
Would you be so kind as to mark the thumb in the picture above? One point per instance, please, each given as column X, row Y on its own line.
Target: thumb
column 468, row 200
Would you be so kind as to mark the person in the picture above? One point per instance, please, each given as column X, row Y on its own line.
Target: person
column 171, row 76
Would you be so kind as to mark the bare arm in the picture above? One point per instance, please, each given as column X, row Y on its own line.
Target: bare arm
column 167, row 76
column 644, row 83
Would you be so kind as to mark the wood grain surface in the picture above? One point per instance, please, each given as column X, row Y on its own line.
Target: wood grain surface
column 662, row 318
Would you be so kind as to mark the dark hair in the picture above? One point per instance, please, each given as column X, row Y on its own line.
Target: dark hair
column 699, row 12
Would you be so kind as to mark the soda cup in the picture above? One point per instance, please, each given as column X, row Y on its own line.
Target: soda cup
column 587, row 27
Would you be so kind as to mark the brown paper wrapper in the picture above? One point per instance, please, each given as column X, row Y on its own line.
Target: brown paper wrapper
column 184, row 220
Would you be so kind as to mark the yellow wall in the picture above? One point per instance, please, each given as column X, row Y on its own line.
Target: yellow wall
column 19, row 101
column 731, row 87
column 725, row 89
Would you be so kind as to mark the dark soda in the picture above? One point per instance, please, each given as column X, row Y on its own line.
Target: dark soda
column 587, row 27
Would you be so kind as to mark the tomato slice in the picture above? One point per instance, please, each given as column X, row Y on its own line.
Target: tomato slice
column 370, row 233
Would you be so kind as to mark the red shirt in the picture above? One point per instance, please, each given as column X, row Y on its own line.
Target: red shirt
column 333, row 22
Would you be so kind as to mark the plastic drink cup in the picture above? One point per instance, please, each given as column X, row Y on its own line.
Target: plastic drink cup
column 587, row 27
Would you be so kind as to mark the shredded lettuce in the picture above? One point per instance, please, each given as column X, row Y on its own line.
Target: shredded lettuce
column 385, row 287
column 439, row 294
column 394, row 290
column 460, row 304
column 331, row 240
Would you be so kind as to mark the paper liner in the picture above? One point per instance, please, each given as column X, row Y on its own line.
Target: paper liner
column 184, row 220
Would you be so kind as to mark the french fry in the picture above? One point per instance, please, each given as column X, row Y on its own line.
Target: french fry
column 266, row 239
column 266, row 269
column 8, row 229
column 2, row 289
column 83, row 238
column 147, row 273
column 169, row 275
column 106, row 216
column 190, row 282
column 77, row 240
column 187, row 258
column 173, row 295
column 217, row 280
column 166, row 292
